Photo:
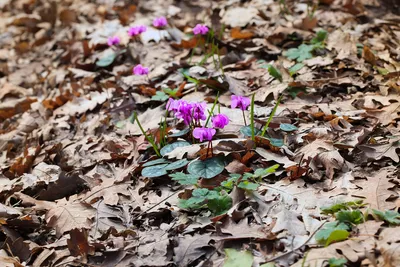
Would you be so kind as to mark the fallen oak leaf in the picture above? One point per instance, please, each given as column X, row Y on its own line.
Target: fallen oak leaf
column 378, row 151
column 69, row 215
column 78, row 243
column 236, row 33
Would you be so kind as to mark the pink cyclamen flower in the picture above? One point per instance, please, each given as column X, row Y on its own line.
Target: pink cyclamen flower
column 185, row 111
column 220, row 121
column 173, row 105
column 241, row 102
column 198, row 111
column 204, row 133
column 140, row 70
column 114, row 40
column 160, row 22
column 200, row 29
column 136, row 30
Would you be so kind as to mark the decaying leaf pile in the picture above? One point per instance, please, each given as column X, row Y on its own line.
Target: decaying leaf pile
column 71, row 157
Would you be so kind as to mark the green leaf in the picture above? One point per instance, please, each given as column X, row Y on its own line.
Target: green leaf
column 276, row 142
column 220, row 205
column 171, row 147
column 382, row 71
column 160, row 96
column 269, row 264
column 320, row 38
column 332, row 232
column 248, row 185
column 184, row 179
column 261, row 173
column 171, row 92
column 177, row 164
column 342, row 206
column 246, row 131
column 155, row 162
column 208, row 168
column 301, row 53
column 107, row 59
column 198, row 199
column 155, row 171
column 235, row 258
column 287, row 127
column 350, row 216
column 180, row 133
column 389, row 216
column 334, row 262
column 230, row 183
column 295, row 68
column 274, row 72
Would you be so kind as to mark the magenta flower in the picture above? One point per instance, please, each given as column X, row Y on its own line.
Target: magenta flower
column 198, row 111
column 241, row 102
column 200, row 29
column 114, row 40
column 220, row 121
column 160, row 22
column 136, row 30
column 204, row 133
column 140, row 70
column 173, row 105
column 184, row 111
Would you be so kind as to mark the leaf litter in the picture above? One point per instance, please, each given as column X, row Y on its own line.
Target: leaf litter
column 304, row 175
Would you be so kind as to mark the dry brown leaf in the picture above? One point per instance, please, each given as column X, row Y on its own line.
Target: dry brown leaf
column 288, row 220
column 242, row 230
column 378, row 151
column 190, row 248
column 236, row 33
column 109, row 191
column 353, row 249
column 69, row 215
column 10, row 108
column 78, row 243
column 83, row 104
column 377, row 190
column 322, row 152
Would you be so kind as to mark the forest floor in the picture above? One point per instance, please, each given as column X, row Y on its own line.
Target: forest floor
column 307, row 175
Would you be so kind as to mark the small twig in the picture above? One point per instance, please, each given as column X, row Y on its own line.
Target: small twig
column 293, row 250
column 155, row 205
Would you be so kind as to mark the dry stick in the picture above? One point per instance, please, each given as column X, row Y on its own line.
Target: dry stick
column 293, row 250
column 155, row 205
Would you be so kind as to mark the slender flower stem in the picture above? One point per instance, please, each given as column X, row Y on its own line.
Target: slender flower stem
column 212, row 110
column 191, row 54
column 252, row 119
column 244, row 118
column 271, row 116
column 149, row 138
column 212, row 152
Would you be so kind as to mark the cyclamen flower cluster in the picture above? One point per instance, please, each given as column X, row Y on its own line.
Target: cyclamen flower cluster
column 188, row 112
column 140, row 70
column 200, row 29
column 114, row 40
column 136, row 30
column 160, row 22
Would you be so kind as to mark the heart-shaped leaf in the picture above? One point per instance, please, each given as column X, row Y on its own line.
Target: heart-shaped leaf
column 287, row 127
column 171, row 147
column 180, row 133
column 155, row 171
column 155, row 162
column 177, row 164
column 246, row 131
column 184, row 179
column 107, row 59
column 208, row 168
